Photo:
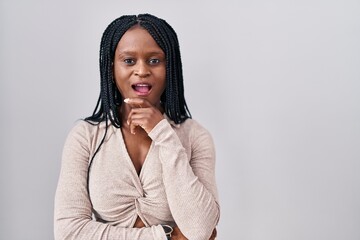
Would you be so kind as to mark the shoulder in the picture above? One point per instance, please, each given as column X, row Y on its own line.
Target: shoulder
column 85, row 128
column 192, row 131
column 86, row 133
column 192, row 127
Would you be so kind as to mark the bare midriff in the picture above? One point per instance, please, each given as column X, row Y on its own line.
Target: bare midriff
column 139, row 223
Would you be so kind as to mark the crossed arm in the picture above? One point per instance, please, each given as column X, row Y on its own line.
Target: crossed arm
column 190, row 188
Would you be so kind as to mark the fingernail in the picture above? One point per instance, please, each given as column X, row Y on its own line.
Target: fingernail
column 126, row 100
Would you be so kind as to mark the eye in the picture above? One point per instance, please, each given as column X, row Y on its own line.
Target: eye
column 129, row 61
column 154, row 61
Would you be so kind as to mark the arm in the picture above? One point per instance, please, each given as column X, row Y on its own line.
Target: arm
column 190, row 186
column 73, row 210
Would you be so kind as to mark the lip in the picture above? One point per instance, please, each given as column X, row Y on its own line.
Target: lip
column 142, row 88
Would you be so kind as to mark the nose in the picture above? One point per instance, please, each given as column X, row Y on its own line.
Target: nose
column 142, row 69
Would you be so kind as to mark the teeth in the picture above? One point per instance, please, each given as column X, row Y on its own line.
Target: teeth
column 141, row 87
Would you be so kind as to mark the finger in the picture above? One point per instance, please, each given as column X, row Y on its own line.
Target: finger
column 137, row 102
column 132, row 128
column 141, row 120
column 140, row 112
column 135, row 124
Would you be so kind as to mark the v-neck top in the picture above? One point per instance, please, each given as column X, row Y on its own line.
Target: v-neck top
column 176, row 184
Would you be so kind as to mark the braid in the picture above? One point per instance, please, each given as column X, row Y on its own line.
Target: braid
column 110, row 99
column 106, row 108
column 173, row 97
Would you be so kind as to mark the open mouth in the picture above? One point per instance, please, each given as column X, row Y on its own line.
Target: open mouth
column 142, row 88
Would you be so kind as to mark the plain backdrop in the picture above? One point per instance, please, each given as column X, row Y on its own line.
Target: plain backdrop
column 277, row 83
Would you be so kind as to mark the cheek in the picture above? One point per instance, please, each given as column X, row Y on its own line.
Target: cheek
column 164, row 84
column 120, row 75
column 119, row 79
column 163, row 78
column 117, row 72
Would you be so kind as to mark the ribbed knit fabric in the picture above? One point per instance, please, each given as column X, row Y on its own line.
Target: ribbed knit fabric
column 176, row 185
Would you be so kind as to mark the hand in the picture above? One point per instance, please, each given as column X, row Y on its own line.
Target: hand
column 177, row 234
column 142, row 114
column 213, row 235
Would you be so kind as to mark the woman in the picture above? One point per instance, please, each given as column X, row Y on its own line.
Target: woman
column 139, row 165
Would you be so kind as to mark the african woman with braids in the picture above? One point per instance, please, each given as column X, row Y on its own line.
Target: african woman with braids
column 139, row 167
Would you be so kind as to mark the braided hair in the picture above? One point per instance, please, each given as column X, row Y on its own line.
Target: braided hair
column 110, row 99
column 172, row 99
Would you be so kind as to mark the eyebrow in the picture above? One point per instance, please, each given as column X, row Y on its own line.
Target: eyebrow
column 149, row 53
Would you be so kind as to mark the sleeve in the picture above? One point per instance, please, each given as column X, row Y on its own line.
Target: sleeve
column 190, row 186
column 73, row 210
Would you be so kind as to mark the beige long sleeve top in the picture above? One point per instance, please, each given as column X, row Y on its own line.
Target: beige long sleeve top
column 176, row 184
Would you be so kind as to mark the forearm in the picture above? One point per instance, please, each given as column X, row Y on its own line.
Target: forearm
column 193, row 205
column 85, row 229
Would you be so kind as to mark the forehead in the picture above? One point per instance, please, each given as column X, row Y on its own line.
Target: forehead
column 137, row 39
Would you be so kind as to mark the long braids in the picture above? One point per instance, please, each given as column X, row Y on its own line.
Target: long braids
column 106, row 107
column 110, row 99
column 173, row 97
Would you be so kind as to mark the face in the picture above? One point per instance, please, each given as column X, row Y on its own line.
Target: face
column 139, row 66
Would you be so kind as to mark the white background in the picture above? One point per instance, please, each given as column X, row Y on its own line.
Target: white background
column 276, row 82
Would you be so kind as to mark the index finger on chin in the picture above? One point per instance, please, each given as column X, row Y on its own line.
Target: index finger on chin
column 137, row 102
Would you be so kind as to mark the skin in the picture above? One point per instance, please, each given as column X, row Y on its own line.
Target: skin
column 138, row 59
